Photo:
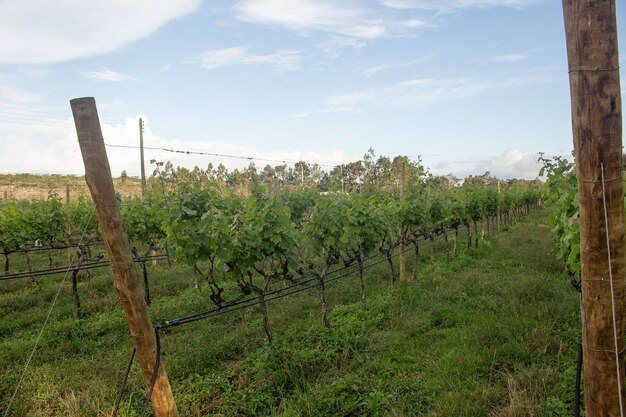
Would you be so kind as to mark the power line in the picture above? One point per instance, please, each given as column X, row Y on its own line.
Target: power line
column 28, row 117
column 189, row 152
column 32, row 111
column 27, row 123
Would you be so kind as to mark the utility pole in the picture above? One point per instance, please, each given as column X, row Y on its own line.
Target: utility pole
column 143, row 168
column 498, row 227
column 68, row 226
column 100, row 183
column 341, row 166
column 401, row 184
column 591, row 33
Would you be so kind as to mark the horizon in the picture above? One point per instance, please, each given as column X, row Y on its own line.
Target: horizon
column 469, row 85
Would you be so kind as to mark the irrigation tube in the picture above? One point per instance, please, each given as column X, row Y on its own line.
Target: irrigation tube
column 218, row 311
column 239, row 305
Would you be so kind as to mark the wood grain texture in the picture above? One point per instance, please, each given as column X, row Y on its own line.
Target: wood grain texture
column 591, row 34
column 100, row 183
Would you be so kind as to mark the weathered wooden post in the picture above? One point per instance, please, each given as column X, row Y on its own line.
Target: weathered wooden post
column 68, row 226
column 401, row 185
column 100, row 183
column 143, row 166
column 591, row 34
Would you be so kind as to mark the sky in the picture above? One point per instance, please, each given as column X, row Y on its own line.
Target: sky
column 467, row 85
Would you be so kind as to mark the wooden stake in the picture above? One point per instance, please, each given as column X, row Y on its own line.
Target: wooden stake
column 499, row 208
column 591, row 34
column 143, row 167
column 68, row 226
column 98, row 177
column 401, row 258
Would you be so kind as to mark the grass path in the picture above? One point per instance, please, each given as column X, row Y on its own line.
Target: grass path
column 494, row 332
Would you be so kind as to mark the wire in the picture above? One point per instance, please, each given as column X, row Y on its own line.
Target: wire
column 186, row 152
column 278, row 294
column 155, row 371
column 256, row 301
column 579, row 362
column 31, row 111
column 608, row 246
column 30, row 248
column 82, row 267
column 32, row 353
column 25, row 123
column 124, row 380
column 239, row 306
column 209, row 312
column 39, row 249
column 279, row 290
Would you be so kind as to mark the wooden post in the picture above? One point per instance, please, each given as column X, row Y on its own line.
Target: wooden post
column 100, row 183
column 499, row 208
column 591, row 34
column 401, row 258
column 143, row 167
column 68, row 227
column 6, row 195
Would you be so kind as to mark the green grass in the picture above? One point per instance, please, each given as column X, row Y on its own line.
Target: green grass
column 494, row 332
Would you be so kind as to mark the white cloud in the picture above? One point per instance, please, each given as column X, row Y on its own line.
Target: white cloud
column 106, row 74
column 429, row 57
column 42, row 31
column 346, row 18
column 414, row 23
column 15, row 95
column 506, row 58
column 428, row 91
column 301, row 115
column 451, row 5
column 307, row 15
column 216, row 58
column 512, row 163
column 336, row 44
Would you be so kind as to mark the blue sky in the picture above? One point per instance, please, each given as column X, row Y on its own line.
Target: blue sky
column 470, row 85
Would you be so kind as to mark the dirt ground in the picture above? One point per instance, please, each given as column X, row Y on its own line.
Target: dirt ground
column 29, row 186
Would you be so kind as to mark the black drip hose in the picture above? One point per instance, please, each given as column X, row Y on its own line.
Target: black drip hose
column 123, row 386
column 579, row 367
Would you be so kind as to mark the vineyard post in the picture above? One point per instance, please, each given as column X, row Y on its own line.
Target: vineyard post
column 401, row 248
column 341, row 166
column 591, row 35
column 68, row 227
column 499, row 208
column 100, row 183
column 143, row 167
column 6, row 195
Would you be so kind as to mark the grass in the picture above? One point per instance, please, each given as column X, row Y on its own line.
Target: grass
column 494, row 332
